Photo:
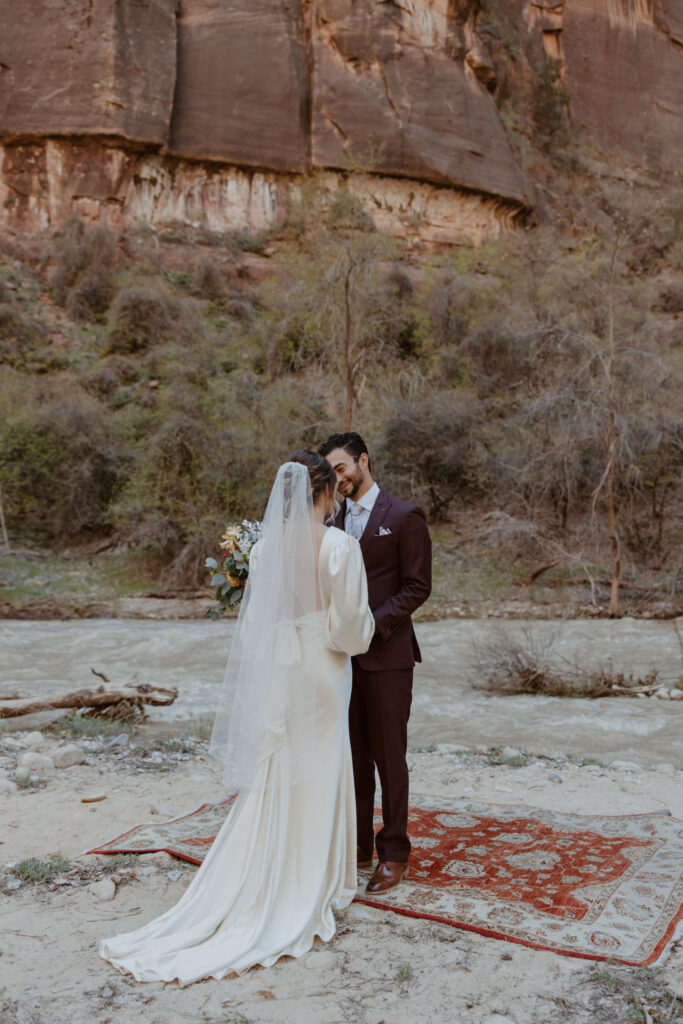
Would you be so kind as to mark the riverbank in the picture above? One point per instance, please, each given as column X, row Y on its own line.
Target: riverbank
column 379, row 967
column 97, row 582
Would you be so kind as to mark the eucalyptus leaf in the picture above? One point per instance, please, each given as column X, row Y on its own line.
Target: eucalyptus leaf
column 211, row 563
column 235, row 597
column 217, row 579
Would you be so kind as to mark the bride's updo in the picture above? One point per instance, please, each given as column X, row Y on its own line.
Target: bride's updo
column 319, row 470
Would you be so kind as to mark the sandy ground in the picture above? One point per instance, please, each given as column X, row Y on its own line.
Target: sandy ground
column 380, row 967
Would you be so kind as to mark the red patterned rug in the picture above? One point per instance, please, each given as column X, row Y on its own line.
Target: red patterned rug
column 595, row 886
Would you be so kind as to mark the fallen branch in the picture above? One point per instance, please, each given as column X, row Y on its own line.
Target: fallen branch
column 528, row 580
column 99, row 698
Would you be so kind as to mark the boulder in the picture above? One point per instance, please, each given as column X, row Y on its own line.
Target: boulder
column 68, row 756
column 36, row 763
column 34, row 741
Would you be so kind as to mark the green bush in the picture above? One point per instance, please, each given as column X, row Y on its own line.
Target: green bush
column 83, row 280
column 59, row 467
column 139, row 319
column 19, row 336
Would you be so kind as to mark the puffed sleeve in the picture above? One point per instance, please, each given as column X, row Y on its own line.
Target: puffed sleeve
column 350, row 622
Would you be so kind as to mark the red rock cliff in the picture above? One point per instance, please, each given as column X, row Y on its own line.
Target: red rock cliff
column 210, row 109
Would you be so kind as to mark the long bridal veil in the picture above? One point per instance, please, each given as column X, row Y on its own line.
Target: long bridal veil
column 262, row 687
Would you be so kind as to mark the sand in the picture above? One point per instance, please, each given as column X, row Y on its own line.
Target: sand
column 380, row 967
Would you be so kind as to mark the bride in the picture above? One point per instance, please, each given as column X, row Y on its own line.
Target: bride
column 285, row 858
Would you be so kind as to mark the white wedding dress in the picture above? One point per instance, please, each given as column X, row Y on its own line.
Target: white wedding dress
column 285, row 858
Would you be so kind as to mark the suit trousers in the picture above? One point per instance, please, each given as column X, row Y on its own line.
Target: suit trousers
column 378, row 728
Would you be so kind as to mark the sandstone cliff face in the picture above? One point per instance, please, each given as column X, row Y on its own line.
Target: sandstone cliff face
column 622, row 64
column 210, row 109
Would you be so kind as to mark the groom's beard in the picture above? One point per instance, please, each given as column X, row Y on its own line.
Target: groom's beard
column 351, row 485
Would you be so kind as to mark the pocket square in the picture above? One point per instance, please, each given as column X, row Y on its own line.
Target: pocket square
column 383, row 531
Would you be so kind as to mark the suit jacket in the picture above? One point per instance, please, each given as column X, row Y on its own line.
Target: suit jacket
column 397, row 551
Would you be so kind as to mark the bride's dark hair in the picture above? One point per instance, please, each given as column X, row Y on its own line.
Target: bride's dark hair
column 319, row 470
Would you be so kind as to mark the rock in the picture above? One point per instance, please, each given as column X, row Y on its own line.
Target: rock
column 625, row 766
column 511, row 752
column 38, row 763
column 160, row 859
column 104, row 890
column 7, row 786
column 173, row 876
column 100, row 93
column 554, row 777
column 676, row 694
column 665, row 766
column 121, row 740
column 68, row 756
column 22, row 773
column 13, row 743
column 34, row 741
column 151, row 869
column 662, row 693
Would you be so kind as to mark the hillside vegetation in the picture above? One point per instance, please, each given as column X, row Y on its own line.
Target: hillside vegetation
column 525, row 393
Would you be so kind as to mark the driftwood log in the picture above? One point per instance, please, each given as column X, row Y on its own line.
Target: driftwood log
column 100, row 700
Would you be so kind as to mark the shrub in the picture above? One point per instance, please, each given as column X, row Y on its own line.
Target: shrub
column 208, row 281
column 139, row 319
column 82, row 279
column 19, row 336
column 432, row 447
column 91, row 296
column 59, row 467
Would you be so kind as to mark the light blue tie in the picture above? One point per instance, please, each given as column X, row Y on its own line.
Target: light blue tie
column 356, row 510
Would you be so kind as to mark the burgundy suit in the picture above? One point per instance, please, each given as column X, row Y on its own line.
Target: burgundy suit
column 397, row 552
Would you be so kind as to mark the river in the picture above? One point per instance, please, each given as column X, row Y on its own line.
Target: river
column 38, row 658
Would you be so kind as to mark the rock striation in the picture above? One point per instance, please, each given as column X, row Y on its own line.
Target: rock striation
column 210, row 110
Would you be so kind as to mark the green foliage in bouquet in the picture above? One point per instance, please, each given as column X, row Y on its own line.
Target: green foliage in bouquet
column 230, row 577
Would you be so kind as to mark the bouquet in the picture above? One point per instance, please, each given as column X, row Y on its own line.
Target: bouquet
column 230, row 577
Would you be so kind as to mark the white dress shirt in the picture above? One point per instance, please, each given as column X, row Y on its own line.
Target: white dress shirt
column 366, row 503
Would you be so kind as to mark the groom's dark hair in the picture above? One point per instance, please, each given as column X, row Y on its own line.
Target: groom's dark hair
column 351, row 442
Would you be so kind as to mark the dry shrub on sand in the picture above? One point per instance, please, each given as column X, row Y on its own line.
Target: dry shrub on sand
column 511, row 665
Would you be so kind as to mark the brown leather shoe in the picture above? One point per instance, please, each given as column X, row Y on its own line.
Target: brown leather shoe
column 363, row 860
column 386, row 875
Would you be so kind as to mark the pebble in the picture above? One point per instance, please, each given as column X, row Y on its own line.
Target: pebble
column 122, row 740
column 662, row 693
column 7, row 786
column 68, row 756
column 511, row 752
column 625, row 766
column 676, row 694
column 34, row 740
column 104, row 890
column 22, row 773
column 554, row 777
column 665, row 766
column 36, row 762
column 173, row 876
column 151, row 869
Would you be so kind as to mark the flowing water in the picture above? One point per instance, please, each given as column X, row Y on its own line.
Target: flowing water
column 38, row 658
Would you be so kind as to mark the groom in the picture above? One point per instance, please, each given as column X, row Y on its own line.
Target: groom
column 397, row 551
